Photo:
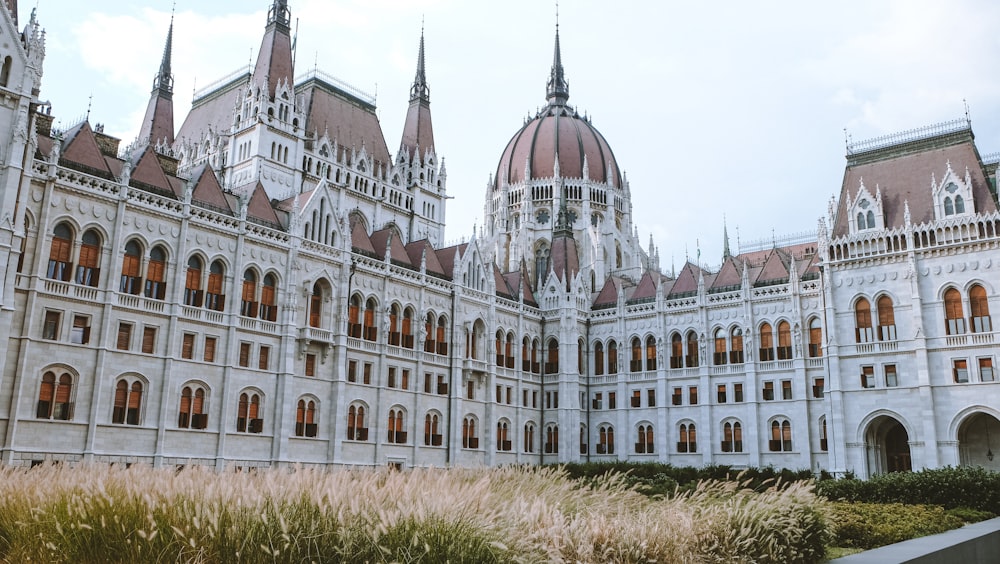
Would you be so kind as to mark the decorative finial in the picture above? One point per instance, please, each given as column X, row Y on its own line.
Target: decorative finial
column 90, row 102
column 557, row 91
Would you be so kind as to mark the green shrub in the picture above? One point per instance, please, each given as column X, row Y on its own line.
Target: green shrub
column 653, row 478
column 870, row 525
column 970, row 515
column 973, row 488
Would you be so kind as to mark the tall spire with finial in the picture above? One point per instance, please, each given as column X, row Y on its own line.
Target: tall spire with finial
column 557, row 90
column 725, row 240
column 418, row 132
column 274, row 59
column 158, row 123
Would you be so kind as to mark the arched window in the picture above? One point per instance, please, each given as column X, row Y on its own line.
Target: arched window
column 529, row 437
column 635, row 362
column 215, row 298
column 128, row 402
column 499, row 348
column 861, row 221
column 886, row 319
column 191, row 414
column 871, row 219
column 815, row 338
column 395, row 338
column 396, row 434
column 541, row 264
column 509, row 350
column 503, row 436
column 552, row 358
column 249, row 418
column 442, row 341
column 949, row 207
column 863, row 321
column 959, row 204
column 644, row 439
column 598, row 358
column 781, row 436
column 316, row 305
column 192, row 283
column 650, row 353
column 736, row 346
column 526, row 355
column 131, row 269
column 248, row 305
column 535, row 365
column 429, row 344
column 612, row 357
column 354, row 317
column 676, row 351
column 368, row 328
column 551, row 439
column 980, row 310
column 268, row 299
column 88, row 271
column 55, row 397
column 5, row 70
column 720, row 357
column 606, row 439
column 691, row 359
column 688, row 438
column 732, row 437
column 784, row 341
column 407, row 328
column 60, row 253
column 432, row 430
column 357, row 430
column 469, row 437
column 823, row 445
column 954, row 317
column 581, row 357
column 305, row 418
column 156, row 274
column 766, row 350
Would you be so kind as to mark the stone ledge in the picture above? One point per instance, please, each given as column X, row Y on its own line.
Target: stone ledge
column 979, row 542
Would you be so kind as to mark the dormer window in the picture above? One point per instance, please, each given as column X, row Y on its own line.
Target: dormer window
column 953, row 203
column 866, row 209
column 866, row 217
column 953, row 195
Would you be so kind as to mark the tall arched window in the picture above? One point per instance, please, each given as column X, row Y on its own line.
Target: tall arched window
column 581, row 357
column 736, row 346
column 529, row 437
column 357, row 430
column 949, row 207
column 191, row 414
column 305, row 418
column 720, row 357
column 395, row 337
column 469, row 437
column 526, row 355
column 88, row 270
column 954, row 317
column 268, row 299
column 407, row 328
column 781, row 436
column 606, row 439
column 598, row 358
column 650, row 353
column 612, row 357
column 432, row 431
column 732, row 437
column 635, row 362
column 644, row 439
column 535, row 365
column 249, row 418
column 60, row 253
column 248, row 305
column 688, row 438
column 784, row 341
column 131, row 269
column 5, row 70
column 55, row 397
column 368, row 330
column 552, row 357
column 156, row 274
column 192, row 282
column 128, row 401
column 863, row 322
column 886, row 319
column 541, row 264
column 396, row 434
column 509, row 350
column 551, row 439
column 353, row 314
column 766, row 350
column 815, row 338
column 442, row 340
column 691, row 360
column 215, row 297
column 503, row 436
column 676, row 351
column 980, row 318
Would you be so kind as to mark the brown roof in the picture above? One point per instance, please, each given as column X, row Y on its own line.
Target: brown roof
column 558, row 129
column 608, row 294
column 259, row 207
column 447, row 257
column 687, row 280
column 774, row 268
column 360, row 240
column 418, row 133
column 212, row 112
column 349, row 120
column 903, row 174
column 274, row 60
column 416, row 249
column 646, row 288
column 158, row 123
column 729, row 275
column 146, row 169
column 565, row 258
column 518, row 283
column 80, row 147
column 207, row 189
column 503, row 289
column 396, row 250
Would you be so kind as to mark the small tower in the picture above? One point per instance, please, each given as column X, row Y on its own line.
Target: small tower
column 274, row 60
column 158, row 124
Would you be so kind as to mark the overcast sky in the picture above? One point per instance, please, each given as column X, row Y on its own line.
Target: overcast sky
column 713, row 109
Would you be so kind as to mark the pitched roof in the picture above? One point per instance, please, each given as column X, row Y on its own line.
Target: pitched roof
column 774, row 269
column 207, row 189
column 396, row 250
column 80, row 147
column 503, row 289
column 213, row 111
column 447, row 257
column 360, row 240
column 687, row 280
column 352, row 122
column 608, row 294
column 146, row 170
column 646, row 288
column 902, row 172
column 423, row 247
column 729, row 275
column 259, row 207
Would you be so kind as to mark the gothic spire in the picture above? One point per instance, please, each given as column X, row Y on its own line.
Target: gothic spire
column 158, row 123
column 274, row 60
column 725, row 240
column 557, row 91
column 418, row 131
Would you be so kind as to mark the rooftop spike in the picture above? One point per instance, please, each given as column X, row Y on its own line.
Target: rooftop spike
column 725, row 240
column 557, row 91
column 418, row 130
column 158, row 122
column 164, row 80
column 419, row 90
column 274, row 58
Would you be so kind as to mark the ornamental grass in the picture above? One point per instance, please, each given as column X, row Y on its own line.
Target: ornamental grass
column 91, row 514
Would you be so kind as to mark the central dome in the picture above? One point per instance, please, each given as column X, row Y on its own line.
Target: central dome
column 558, row 131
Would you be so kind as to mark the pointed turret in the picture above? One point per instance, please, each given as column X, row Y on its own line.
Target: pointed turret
column 565, row 254
column 418, row 131
column 725, row 241
column 158, row 123
column 274, row 60
column 557, row 91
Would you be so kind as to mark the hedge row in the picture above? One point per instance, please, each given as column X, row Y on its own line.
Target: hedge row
column 964, row 487
column 652, row 478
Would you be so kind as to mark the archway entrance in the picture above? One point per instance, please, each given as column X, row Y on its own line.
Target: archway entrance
column 888, row 446
column 977, row 437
